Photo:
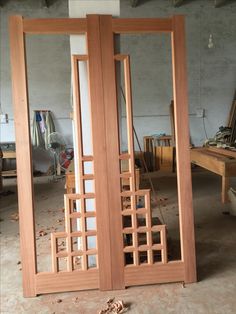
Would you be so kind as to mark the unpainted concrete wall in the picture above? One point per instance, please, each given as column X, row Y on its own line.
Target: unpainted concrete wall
column 211, row 72
column 49, row 70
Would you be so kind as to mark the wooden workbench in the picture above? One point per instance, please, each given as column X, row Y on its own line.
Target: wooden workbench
column 219, row 161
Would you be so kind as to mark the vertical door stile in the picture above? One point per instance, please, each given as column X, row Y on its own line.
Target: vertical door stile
column 112, row 150
column 99, row 151
column 182, row 149
column 23, row 155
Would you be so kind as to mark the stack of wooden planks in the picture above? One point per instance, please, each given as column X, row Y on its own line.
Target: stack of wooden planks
column 159, row 153
column 232, row 122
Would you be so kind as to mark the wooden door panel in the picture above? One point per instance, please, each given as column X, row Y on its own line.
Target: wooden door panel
column 125, row 252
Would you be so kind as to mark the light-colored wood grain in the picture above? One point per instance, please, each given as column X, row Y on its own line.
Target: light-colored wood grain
column 164, row 156
column 112, row 150
column 207, row 161
column 225, row 152
column 9, row 154
column 68, row 226
column 129, row 119
column 70, row 182
column 55, row 26
column 54, row 253
column 23, row 155
column 141, row 26
column 172, row 122
column 182, row 149
column 152, row 274
column 219, row 161
column 9, row 173
column 100, row 150
column 67, row 281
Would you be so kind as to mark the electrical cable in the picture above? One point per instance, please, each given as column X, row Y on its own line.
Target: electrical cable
column 204, row 126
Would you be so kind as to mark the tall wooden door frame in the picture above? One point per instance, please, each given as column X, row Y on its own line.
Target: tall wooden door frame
column 100, row 31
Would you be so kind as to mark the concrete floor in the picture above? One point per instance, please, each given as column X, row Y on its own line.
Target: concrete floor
column 215, row 291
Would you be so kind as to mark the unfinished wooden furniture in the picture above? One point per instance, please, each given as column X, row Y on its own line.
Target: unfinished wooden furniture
column 104, row 265
column 164, row 158
column 159, row 152
column 219, row 161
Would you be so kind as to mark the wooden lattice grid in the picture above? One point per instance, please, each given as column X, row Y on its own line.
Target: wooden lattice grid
column 136, row 204
column 83, row 250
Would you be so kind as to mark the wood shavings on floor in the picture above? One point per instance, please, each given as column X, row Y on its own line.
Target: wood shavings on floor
column 115, row 307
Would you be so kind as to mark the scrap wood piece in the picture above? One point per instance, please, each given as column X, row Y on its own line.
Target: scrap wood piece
column 116, row 307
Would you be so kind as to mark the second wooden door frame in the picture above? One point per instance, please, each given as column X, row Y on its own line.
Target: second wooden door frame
column 100, row 30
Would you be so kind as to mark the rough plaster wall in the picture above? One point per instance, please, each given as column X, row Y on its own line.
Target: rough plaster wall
column 48, row 59
column 211, row 72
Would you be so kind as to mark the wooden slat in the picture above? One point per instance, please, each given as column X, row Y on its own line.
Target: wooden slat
column 55, row 26
column 164, row 245
column 149, row 226
column 125, row 175
column 88, row 177
column 83, row 231
column 99, row 150
column 78, row 123
column 68, row 230
column 124, row 156
column 135, row 236
column 54, row 253
column 225, row 152
column 67, row 281
column 87, row 158
column 172, row 122
column 76, row 196
column 182, row 149
column 79, row 215
column 207, row 161
column 129, row 119
column 9, row 173
column 152, row 274
column 23, row 155
column 214, row 155
column 141, row 25
column 9, row 154
column 112, row 150
column 87, row 233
